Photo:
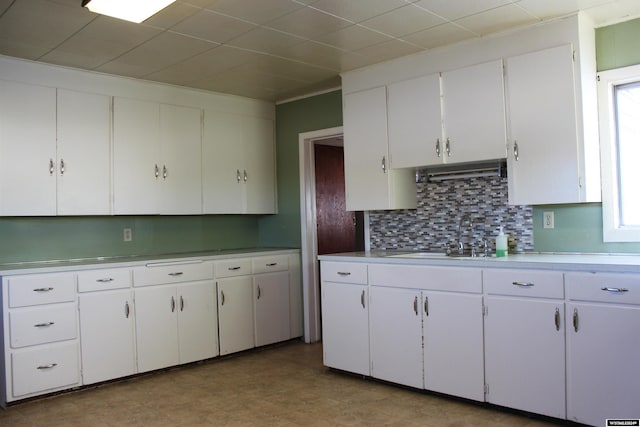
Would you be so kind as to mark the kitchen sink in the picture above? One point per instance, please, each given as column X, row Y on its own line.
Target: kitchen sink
column 436, row 255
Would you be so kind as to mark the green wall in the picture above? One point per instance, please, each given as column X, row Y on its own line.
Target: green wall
column 578, row 228
column 292, row 118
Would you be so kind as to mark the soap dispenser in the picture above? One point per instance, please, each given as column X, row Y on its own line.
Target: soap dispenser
column 502, row 248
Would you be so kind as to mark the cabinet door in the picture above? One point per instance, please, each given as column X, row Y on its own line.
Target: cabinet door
column 180, row 146
column 27, row 149
column 602, row 359
column 260, row 177
column 197, row 321
column 137, row 167
column 156, row 327
column 223, row 188
column 235, row 314
column 543, row 132
column 106, row 335
column 524, row 354
column 415, row 124
column 453, row 344
column 369, row 182
column 84, row 153
column 396, row 336
column 271, row 315
column 345, row 327
column 474, row 113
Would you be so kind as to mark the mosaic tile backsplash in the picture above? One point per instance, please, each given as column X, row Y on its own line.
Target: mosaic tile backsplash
column 434, row 224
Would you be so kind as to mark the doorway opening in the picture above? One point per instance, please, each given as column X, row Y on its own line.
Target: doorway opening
column 319, row 224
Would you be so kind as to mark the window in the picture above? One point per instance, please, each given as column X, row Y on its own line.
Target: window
column 619, row 105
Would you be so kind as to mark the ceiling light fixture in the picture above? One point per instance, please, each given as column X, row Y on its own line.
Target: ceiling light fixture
column 134, row 11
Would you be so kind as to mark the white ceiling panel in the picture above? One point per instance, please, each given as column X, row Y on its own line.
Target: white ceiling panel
column 268, row 49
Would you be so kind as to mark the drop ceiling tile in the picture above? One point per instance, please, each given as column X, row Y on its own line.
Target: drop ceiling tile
column 171, row 15
column 212, row 26
column 441, row 35
column 40, row 24
column 607, row 14
column 318, row 54
column 308, row 23
column 101, row 41
column 353, row 38
column 204, row 65
column 292, row 69
column 388, row 50
column 4, row 5
column 452, row 10
column 357, row 10
column 498, row 19
column 266, row 40
column 156, row 54
column 257, row 11
column 404, row 20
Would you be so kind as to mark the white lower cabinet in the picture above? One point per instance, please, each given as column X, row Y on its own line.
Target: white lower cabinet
column 603, row 343
column 271, row 302
column 524, row 340
column 235, row 314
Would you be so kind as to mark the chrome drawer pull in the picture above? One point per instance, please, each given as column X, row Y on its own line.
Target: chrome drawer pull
column 344, row 273
column 523, row 284
column 49, row 366
column 173, row 304
column 426, row 306
column 181, row 303
column 576, row 320
column 259, row 292
column 557, row 319
column 608, row 289
column 233, row 268
column 273, row 264
column 43, row 325
column 222, row 298
column 127, row 310
column 42, row 289
column 107, row 280
column 362, row 299
column 176, row 273
column 415, row 305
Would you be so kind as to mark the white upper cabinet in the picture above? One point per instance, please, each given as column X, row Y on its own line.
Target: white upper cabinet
column 370, row 183
column 27, row 149
column 546, row 152
column 156, row 158
column 84, row 153
column 238, row 158
column 453, row 117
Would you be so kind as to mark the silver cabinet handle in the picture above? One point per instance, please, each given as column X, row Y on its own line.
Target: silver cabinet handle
column 105, row 280
column 181, row 303
column 156, row 171
column 272, row 264
column 515, row 150
column 448, row 148
column 523, row 284
column 42, row 289
column 415, row 305
column 164, row 172
column 426, row 306
column 221, row 298
column 608, row 289
column 52, row 167
column 173, row 304
column 49, row 366
column 344, row 273
column 438, row 147
column 557, row 319
column 384, row 164
column 233, row 268
column 176, row 274
column 259, row 292
column 44, row 325
column 61, row 166
column 576, row 320
column 238, row 175
column 362, row 299
column 245, row 176
column 127, row 310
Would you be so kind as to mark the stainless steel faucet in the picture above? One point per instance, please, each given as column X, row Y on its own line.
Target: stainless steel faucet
column 460, row 222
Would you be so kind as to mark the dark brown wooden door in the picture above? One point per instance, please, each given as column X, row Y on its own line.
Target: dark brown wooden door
column 338, row 230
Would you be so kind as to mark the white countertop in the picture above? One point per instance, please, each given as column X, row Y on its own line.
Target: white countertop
column 620, row 263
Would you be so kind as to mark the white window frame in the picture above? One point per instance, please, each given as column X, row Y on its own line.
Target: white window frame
column 612, row 230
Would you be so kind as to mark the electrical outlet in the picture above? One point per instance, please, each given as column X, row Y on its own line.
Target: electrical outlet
column 548, row 220
column 127, row 235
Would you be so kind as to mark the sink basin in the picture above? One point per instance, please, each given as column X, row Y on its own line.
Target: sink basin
column 419, row 255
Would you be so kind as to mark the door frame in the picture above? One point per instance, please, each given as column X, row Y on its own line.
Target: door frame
column 308, row 226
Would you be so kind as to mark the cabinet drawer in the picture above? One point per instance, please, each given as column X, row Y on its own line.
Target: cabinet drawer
column 102, row 280
column 604, row 287
column 233, row 267
column 452, row 279
column 528, row 283
column 268, row 264
column 41, row 289
column 173, row 272
column 40, row 325
column 44, row 368
column 344, row 272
